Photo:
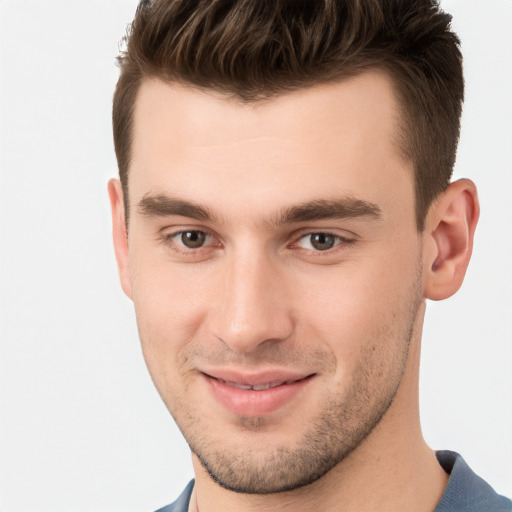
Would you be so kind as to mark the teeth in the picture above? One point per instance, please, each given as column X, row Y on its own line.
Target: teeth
column 259, row 387
column 239, row 386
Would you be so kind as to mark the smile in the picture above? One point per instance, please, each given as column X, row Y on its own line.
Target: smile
column 258, row 387
column 256, row 395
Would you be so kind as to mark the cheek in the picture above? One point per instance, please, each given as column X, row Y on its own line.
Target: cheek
column 167, row 295
column 170, row 304
column 365, row 307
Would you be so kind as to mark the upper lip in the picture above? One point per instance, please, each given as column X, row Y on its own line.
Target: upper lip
column 255, row 378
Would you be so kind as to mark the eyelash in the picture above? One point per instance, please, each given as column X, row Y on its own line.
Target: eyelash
column 169, row 240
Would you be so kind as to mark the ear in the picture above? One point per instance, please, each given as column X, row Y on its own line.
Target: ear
column 450, row 229
column 120, row 234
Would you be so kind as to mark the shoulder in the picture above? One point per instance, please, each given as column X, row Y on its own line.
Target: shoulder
column 181, row 504
column 466, row 490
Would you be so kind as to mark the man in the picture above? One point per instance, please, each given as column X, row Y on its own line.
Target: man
column 283, row 212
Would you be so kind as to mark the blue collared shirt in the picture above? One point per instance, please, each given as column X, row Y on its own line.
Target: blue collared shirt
column 465, row 492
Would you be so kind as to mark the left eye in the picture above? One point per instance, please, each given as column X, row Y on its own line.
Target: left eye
column 319, row 241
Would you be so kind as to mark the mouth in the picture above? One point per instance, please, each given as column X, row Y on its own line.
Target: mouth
column 258, row 387
column 256, row 395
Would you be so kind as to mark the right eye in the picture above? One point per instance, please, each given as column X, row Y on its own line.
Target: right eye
column 191, row 239
column 187, row 240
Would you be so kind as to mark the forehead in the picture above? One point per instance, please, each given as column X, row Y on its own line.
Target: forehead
column 334, row 139
column 191, row 113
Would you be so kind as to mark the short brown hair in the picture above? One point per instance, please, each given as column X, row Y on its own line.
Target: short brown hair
column 256, row 49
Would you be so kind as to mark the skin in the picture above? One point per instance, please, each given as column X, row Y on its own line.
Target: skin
column 258, row 296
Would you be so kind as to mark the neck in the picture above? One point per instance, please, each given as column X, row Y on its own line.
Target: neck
column 392, row 469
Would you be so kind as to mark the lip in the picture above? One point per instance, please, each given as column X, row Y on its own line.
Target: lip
column 274, row 389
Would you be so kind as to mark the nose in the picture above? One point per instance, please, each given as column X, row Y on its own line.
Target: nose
column 252, row 306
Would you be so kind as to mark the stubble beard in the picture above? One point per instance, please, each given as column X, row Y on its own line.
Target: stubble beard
column 346, row 419
column 341, row 426
column 328, row 442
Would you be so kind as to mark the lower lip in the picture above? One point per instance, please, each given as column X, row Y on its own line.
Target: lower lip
column 251, row 403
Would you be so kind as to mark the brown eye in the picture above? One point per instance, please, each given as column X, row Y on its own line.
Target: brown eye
column 322, row 241
column 193, row 239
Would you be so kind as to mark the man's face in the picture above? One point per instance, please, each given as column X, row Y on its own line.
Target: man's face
column 275, row 269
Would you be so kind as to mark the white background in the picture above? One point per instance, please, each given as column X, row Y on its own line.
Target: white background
column 82, row 428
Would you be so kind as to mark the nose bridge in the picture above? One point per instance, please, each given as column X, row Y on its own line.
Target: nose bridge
column 252, row 308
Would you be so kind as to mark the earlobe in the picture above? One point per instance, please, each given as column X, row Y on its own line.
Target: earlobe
column 120, row 235
column 450, row 229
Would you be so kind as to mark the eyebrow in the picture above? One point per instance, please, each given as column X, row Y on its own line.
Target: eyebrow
column 165, row 206
column 345, row 208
